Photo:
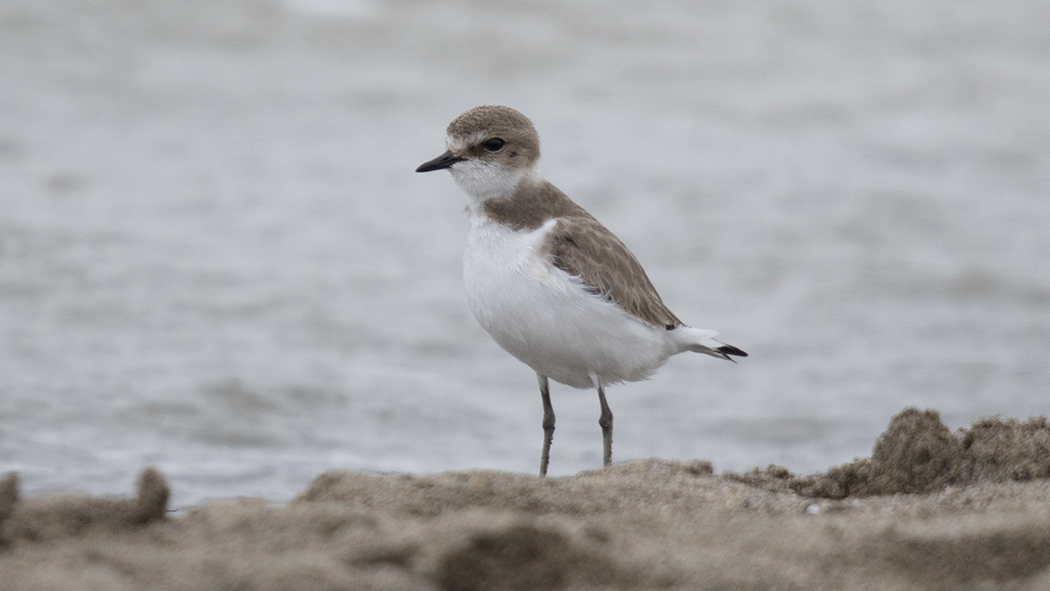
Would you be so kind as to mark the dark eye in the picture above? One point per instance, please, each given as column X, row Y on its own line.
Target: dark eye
column 494, row 145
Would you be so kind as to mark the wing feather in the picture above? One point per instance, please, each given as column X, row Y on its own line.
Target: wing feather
column 582, row 247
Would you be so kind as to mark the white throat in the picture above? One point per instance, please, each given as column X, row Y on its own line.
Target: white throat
column 483, row 180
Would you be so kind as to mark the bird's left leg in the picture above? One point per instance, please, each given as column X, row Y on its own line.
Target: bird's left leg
column 548, row 423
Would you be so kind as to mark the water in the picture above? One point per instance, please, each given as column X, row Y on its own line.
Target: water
column 215, row 257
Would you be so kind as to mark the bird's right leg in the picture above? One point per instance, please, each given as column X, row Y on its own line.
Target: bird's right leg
column 606, row 423
column 548, row 423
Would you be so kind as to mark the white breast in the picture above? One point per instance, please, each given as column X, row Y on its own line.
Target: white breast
column 546, row 318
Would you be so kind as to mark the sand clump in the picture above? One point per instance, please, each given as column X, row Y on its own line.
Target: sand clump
column 930, row 509
column 918, row 454
column 70, row 515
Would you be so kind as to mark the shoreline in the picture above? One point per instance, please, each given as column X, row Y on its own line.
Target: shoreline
column 930, row 509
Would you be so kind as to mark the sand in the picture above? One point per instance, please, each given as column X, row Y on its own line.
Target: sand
column 930, row 509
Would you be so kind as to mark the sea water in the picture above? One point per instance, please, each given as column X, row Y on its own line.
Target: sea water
column 215, row 257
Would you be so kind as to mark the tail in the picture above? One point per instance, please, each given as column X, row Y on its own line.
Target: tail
column 700, row 340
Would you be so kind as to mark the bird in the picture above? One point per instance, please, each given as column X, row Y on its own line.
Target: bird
column 548, row 282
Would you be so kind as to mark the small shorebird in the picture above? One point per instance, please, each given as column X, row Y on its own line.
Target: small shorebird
column 549, row 283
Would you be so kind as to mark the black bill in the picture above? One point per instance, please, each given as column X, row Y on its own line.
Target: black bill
column 443, row 161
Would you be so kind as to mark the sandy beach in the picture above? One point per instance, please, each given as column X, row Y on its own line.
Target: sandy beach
column 929, row 509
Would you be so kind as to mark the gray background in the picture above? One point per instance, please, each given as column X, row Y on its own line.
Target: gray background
column 215, row 256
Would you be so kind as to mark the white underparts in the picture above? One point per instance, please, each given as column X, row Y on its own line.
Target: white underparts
column 547, row 318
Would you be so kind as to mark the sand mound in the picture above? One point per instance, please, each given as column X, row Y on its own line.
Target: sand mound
column 918, row 454
column 70, row 515
column 638, row 485
column 968, row 510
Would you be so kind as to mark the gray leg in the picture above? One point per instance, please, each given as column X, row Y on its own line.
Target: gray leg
column 548, row 423
column 606, row 422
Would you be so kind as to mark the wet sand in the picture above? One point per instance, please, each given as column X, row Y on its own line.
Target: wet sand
column 930, row 509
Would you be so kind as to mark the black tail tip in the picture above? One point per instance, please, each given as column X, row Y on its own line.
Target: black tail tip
column 731, row 350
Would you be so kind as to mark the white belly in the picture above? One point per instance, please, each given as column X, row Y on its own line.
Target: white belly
column 546, row 319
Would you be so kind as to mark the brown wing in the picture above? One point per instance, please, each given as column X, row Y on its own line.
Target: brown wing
column 582, row 247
